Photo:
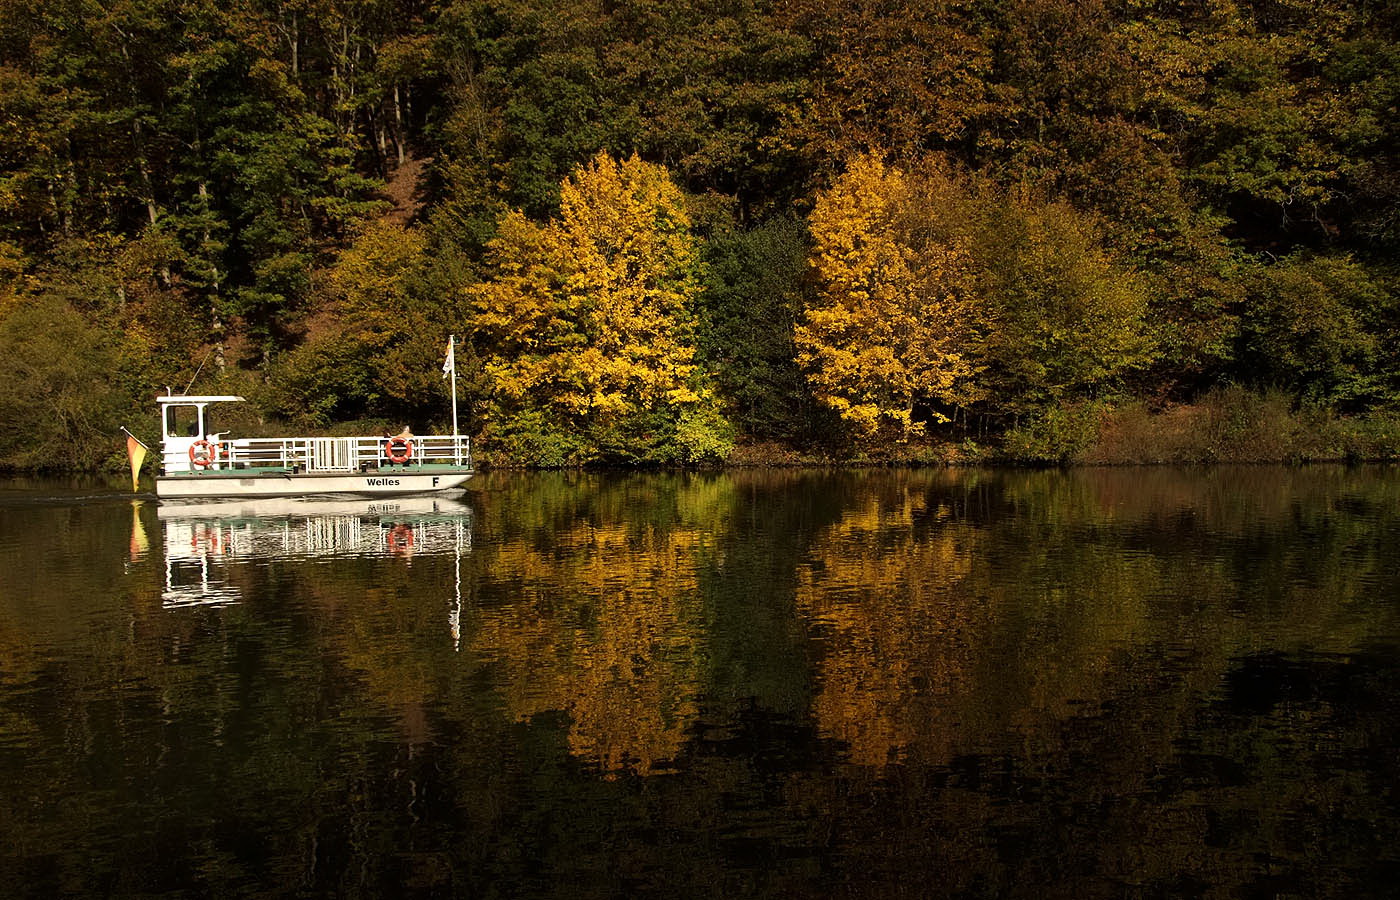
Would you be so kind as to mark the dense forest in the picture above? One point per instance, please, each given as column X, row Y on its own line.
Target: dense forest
column 711, row 229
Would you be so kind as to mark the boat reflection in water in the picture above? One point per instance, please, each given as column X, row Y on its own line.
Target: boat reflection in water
column 202, row 539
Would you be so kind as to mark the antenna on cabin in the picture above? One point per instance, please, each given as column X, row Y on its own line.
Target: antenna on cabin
column 197, row 371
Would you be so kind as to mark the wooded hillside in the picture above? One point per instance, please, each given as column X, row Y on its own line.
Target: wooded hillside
column 664, row 229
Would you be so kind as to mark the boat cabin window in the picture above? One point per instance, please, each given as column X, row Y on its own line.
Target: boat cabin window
column 182, row 421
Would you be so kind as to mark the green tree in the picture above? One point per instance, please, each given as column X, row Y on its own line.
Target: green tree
column 65, row 400
column 755, row 292
column 939, row 292
column 1063, row 317
column 379, row 339
column 1316, row 325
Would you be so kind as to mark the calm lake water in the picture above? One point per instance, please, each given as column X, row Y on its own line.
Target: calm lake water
column 1138, row 682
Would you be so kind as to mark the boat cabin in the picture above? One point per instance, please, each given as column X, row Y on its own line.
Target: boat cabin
column 185, row 420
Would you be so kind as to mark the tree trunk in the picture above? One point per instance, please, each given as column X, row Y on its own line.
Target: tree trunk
column 216, row 322
column 398, row 124
column 57, row 210
column 294, row 39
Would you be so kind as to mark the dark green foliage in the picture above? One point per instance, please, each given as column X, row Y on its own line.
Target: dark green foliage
column 1065, row 318
column 750, row 305
column 1055, row 436
column 532, row 438
column 324, row 382
column 63, row 400
column 1315, row 325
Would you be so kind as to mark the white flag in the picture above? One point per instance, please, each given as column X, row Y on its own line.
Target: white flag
column 449, row 366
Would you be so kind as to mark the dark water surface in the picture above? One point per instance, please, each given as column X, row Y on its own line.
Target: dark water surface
column 1141, row 682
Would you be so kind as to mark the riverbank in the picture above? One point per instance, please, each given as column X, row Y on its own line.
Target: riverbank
column 1231, row 425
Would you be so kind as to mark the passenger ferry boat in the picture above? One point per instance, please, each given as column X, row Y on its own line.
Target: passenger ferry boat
column 199, row 462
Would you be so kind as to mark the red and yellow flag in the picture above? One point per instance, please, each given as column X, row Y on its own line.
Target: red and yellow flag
column 136, row 452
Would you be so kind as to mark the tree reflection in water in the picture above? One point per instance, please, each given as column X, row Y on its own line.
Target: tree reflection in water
column 758, row 683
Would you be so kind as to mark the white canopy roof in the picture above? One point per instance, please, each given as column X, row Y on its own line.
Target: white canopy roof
column 202, row 398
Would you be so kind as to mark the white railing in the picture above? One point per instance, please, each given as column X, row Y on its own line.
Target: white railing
column 317, row 454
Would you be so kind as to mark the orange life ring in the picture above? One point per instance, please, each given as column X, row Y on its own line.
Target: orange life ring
column 389, row 449
column 203, row 453
column 400, row 539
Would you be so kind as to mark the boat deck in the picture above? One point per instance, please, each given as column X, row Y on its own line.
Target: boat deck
column 312, row 455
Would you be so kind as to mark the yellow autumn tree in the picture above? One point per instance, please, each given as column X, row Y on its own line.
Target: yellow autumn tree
column 888, row 334
column 586, row 323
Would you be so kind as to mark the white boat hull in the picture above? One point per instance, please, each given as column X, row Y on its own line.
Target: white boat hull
column 360, row 484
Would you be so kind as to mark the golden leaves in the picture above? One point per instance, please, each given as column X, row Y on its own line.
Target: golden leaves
column 938, row 293
column 588, row 314
column 890, row 328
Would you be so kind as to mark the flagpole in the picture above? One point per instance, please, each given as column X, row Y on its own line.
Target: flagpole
column 456, row 435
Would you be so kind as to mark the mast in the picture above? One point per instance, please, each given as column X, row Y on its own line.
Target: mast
column 456, row 435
